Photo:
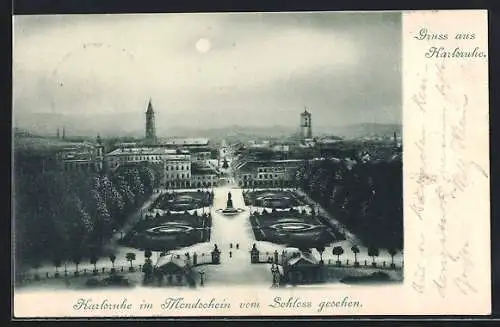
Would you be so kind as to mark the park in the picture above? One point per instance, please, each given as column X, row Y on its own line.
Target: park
column 186, row 240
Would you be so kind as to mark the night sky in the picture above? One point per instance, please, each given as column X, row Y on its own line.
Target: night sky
column 253, row 69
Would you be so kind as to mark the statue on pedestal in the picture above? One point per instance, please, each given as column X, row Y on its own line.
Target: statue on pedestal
column 230, row 209
column 229, row 204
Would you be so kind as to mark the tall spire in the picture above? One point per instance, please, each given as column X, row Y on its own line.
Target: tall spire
column 64, row 133
column 57, row 135
column 98, row 139
column 150, row 124
column 150, row 107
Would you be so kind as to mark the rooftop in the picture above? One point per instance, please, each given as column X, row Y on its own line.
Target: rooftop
column 145, row 151
column 302, row 256
column 197, row 169
column 81, row 155
column 171, row 258
column 251, row 166
column 187, row 141
column 198, row 150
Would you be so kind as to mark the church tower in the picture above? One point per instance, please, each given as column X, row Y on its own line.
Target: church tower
column 150, row 124
column 99, row 154
column 305, row 125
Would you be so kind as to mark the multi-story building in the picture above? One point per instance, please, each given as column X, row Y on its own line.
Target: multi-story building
column 88, row 157
column 201, row 154
column 272, row 173
column 153, row 155
column 170, row 159
column 177, row 172
column 203, row 176
column 81, row 160
column 187, row 142
column 173, row 167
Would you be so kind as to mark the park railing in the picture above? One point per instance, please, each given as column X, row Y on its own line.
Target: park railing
column 201, row 259
column 29, row 277
column 379, row 264
column 271, row 257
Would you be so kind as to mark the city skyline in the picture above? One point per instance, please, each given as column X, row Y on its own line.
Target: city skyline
column 232, row 69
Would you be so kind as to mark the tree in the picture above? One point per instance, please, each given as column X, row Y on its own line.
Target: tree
column 130, row 257
column 147, row 269
column 373, row 252
column 392, row 251
column 36, row 264
column 93, row 260
column 57, row 263
column 321, row 249
column 338, row 251
column 77, row 258
column 112, row 258
column 355, row 250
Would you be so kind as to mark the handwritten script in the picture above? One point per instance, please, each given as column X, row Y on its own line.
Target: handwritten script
column 446, row 171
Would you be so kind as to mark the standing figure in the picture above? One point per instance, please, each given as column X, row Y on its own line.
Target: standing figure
column 230, row 245
column 237, row 246
column 230, row 254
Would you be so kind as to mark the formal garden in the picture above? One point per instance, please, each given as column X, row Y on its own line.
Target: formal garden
column 273, row 199
column 293, row 227
column 182, row 201
column 169, row 231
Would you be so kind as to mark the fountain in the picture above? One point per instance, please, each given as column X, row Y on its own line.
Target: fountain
column 230, row 210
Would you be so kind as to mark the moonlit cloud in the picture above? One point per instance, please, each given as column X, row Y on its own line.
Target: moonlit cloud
column 259, row 68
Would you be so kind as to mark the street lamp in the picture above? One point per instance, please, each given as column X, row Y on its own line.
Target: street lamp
column 275, row 272
column 202, row 273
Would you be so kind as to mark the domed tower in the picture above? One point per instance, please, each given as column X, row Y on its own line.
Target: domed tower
column 150, row 124
column 305, row 124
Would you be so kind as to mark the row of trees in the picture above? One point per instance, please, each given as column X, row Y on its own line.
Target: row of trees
column 366, row 197
column 94, row 259
column 67, row 215
column 372, row 252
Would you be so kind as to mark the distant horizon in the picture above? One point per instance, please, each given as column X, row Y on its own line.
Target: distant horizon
column 290, row 130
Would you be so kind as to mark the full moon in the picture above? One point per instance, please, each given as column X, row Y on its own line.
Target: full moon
column 203, row 45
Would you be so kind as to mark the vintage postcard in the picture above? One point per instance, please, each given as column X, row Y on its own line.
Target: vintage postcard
column 251, row 164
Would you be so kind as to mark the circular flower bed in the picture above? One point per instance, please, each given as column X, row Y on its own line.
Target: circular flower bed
column 292, row 227
column 182, row 201
column 169, row 228
column 279, row 200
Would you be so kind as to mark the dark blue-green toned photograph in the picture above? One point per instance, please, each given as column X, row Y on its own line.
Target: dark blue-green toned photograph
column 188, row 150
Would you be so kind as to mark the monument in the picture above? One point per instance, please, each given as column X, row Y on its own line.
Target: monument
column 230, row 209
column 229, row 203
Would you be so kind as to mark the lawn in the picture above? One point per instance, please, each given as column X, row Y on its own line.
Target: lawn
column 169, row 231
column 182, row 201
column 292, row 228
column 273, row 199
